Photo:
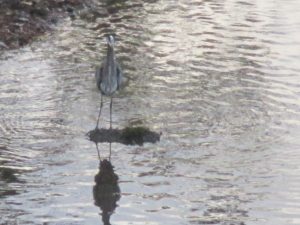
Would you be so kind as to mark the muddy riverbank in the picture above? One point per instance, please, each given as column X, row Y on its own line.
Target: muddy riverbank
column 22, row 21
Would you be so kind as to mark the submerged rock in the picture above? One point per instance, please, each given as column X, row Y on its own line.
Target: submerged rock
column 127, row 136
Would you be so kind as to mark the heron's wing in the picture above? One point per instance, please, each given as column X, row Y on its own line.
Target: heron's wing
column 98, row 75
column 119, row 76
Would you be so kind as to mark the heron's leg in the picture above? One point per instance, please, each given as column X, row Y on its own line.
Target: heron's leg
column 98, row 151
column 111, row 100
column 101, row 104
column 109, row 150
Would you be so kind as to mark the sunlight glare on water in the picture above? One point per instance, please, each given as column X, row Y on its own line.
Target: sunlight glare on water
column 219, row 79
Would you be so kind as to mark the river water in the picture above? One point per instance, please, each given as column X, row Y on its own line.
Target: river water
column 219, row 79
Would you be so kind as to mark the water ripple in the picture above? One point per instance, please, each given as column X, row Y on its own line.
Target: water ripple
column 218, row 79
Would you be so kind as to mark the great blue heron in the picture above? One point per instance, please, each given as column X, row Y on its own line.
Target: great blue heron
column 108, row 76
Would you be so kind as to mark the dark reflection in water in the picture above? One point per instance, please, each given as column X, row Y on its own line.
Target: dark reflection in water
column 8, row 176
column 106, row 192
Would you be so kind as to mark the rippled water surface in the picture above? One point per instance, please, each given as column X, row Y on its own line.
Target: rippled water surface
column 219, row 79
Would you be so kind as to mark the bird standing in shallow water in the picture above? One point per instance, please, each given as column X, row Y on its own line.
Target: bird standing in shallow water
column 108, row 76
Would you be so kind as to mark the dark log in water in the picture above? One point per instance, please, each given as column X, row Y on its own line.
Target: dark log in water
column 127, row 136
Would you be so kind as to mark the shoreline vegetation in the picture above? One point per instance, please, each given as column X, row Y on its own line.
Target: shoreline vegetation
column 22, row 21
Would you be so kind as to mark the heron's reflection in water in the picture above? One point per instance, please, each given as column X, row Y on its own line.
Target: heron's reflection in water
column 106, row 191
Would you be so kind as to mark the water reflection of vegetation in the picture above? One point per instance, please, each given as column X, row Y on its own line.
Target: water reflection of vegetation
column 106, row 191
column 7, row 175
column 115, row 2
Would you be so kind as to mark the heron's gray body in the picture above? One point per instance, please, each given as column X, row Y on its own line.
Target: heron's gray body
column 108, row 76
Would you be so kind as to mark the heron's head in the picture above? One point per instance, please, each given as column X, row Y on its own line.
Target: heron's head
column 110, row 40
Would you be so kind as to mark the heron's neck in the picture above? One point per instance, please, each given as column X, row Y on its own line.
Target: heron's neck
column 110, row 54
